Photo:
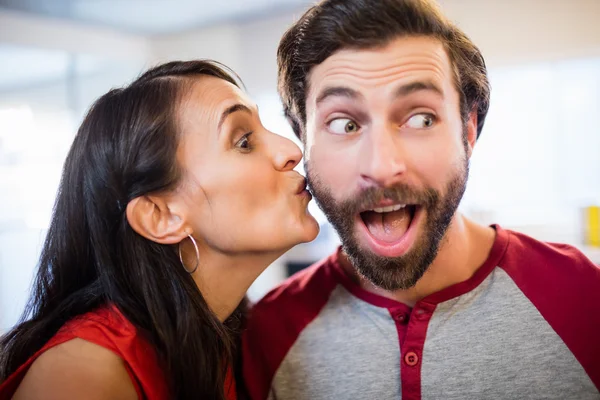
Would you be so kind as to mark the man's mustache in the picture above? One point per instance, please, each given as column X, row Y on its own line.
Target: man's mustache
column 372, row 196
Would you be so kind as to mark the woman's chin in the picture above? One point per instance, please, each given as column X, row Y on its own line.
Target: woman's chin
column 275, row 240
column 311, row 229
column 305, row 231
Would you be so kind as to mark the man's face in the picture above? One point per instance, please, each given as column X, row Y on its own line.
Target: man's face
column 387, row 154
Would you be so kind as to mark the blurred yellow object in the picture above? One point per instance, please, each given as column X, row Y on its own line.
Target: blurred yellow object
column 592, row 226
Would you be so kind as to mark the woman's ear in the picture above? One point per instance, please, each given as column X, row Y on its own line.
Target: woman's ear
column 152, row 218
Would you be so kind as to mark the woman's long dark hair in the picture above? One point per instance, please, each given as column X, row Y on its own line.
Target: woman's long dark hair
column 125, row 148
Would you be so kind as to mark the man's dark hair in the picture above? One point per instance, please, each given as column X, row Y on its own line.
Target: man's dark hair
column 332, row 25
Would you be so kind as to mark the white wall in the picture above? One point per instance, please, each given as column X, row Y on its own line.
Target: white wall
column 222, row 43
column 516, row 31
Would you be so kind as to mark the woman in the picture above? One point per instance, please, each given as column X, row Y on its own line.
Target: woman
column 173, row 199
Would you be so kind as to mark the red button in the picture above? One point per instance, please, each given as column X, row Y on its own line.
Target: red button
column 411, row 358
column 421, row 314
column 401, row 318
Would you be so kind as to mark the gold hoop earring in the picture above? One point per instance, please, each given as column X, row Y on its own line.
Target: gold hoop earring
column 197, row 256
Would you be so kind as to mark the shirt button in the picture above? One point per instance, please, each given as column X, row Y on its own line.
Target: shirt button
column 411, row 358
column 401, row 318
column 421, row 313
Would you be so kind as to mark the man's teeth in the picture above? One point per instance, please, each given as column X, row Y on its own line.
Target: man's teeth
column 389, row 208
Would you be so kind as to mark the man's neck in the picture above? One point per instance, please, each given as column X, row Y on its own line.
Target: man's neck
column 463, row 250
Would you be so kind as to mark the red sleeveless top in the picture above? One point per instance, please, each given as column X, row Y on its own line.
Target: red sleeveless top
column 108, row 328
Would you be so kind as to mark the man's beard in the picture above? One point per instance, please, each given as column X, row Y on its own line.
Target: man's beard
column 403, row 272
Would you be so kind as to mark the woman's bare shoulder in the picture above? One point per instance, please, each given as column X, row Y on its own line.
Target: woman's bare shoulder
column 77, row 369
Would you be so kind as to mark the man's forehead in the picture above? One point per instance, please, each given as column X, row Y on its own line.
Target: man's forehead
column 402, row 58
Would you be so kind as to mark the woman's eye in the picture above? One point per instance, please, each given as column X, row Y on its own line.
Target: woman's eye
column 343, row 126
column 420, row 121
column 244, row 142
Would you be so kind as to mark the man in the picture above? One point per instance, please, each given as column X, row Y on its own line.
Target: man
column 389, row 99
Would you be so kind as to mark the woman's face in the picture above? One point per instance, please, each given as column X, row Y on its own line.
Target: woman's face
column 239, row 188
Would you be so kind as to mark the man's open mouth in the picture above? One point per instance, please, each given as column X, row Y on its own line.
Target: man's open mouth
column 390, row 223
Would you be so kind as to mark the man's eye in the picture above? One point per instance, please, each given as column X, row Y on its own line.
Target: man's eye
column 421, row 121
column 343, row 126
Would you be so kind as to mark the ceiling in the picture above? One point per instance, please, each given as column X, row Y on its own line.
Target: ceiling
column 153, row 17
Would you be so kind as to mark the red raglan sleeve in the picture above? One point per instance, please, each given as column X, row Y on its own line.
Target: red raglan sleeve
column 564, row 285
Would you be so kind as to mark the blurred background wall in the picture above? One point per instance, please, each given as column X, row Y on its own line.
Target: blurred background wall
column 536, row 167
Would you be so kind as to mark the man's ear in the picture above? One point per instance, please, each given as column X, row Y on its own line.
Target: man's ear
column 471, row 132
column 151, row 217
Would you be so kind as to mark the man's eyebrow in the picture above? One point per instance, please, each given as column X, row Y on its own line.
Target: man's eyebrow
column 410, row 88
column 337, row 91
